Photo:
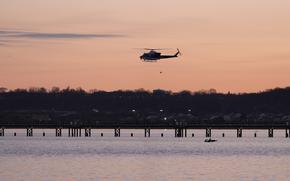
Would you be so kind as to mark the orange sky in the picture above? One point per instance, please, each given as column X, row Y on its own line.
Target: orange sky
column 229, row 45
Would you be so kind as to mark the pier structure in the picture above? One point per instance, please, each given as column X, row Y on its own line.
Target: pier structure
column 58, row 132
column 180, row 132
column 208, row 132
column 74, row 132
column 239, row 132
column 29, row 132
column 179, row 129
column 88, row 132
column 2, row 131
column 270, row 132
column 147, row 132
column 117, row 132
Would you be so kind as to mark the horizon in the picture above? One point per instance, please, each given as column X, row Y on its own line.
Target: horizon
column 236, row 46
column 51, row 89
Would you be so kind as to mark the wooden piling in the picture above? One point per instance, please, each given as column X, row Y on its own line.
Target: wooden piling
column 208, row 132
column 270, row 132
column 239, row 132
column 179, row 132
column 117, row 132
column 147, row 132
column 87, row 132
column 29, row 132
column 2, row 133
column 58, row 132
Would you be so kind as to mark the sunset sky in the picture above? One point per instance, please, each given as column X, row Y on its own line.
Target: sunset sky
column 229, row 45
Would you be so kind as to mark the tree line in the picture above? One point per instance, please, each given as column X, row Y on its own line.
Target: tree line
column 136, row 106
column 201, row 102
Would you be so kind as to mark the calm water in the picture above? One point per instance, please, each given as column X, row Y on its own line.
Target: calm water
column 139, row 158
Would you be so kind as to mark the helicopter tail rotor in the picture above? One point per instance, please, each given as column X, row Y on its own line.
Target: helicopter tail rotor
column 177, row 53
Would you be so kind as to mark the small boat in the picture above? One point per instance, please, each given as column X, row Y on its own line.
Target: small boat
column 209, row 140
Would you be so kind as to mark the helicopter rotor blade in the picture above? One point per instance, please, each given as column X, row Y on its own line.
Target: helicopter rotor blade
column 157, row 48
column 154, row 48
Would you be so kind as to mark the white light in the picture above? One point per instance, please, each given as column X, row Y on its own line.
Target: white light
column 95, row 110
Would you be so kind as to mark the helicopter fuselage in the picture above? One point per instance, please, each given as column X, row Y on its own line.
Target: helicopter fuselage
column 153, row 56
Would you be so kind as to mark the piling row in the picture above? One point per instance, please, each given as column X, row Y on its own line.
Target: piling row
column 2, row 132
column 239, row 132
column 29, row 132
column 74, row 132
column 287, row 134
column 147, row 132
column 208, row 132
column 179, row 132
column 117, row 132
column 87, row 132
column 58, row 132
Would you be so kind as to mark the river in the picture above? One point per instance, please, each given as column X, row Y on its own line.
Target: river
column 139, row 158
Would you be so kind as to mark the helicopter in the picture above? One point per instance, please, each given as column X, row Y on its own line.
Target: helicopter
column 154, row 56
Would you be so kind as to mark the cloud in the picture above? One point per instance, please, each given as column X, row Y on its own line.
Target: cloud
column 63, row 35
column 42, row 35
column 3, row 42
column 7, row 32
column 8, row 37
